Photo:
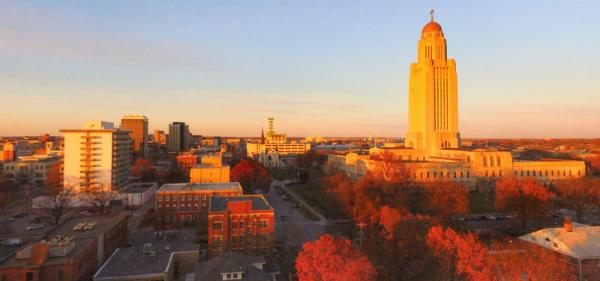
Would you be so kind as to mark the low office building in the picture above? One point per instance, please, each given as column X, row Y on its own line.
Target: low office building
column 243, row 223
column 167, row 255
column 578, row 243
column 211, row 170
column 61, row 258
column 186, row 204
column 33, row 170
column 109, row 232
column 234, row 266
column 137, row 194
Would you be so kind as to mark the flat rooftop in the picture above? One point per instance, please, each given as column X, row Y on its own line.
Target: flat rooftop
column 129, row 261
column 199, row 186
column 100, row 225
column 219, row 203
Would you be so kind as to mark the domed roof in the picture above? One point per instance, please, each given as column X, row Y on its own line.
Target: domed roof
column 432, row 26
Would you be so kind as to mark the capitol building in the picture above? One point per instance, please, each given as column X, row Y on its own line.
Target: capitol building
column 432, row 147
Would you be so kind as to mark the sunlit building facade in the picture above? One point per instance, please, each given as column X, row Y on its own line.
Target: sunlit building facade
column 432, row 148
column 96, row 158
column 137, row 125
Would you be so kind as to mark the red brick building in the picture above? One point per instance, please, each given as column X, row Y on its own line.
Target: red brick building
column 60, row 259
column 186, row 204
column 243, row 223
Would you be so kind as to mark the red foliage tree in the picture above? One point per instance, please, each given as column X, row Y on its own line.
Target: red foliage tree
column 595, row 164
column 461, row 256
column 444, row 199
column 251, row 174
column 333, row 259
column 525, row 197
column 513, row 261
column 580, row 195
column 144, row 169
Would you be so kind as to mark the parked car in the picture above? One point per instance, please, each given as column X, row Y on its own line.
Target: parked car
column 35, row 219
column 19, row 215
column 283, row 218
column 284, row 197
column 34, row 226
column 12, row 242
column 6, row 220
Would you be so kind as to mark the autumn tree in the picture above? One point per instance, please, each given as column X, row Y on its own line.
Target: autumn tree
column 330, row 259
column 144, row 169
column 595, row 164
column 514, row 261
column 461, row 256
column 579, row 194
column 444, row 199
column 251, row 174
column 525, row 197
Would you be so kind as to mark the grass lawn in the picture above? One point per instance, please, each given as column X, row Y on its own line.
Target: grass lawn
column 481, row 203
column 315, row 195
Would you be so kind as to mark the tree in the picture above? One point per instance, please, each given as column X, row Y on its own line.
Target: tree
column 514, row 261
column 330, row 258
column 595, row 164
column 340, row 186
column 392, row 169
column 57, row 204
column 144, row 169
column 100, row 200
column 525, row 197
column 461, row 256
column 251, row 174
column 444, row 199
column 580, row 195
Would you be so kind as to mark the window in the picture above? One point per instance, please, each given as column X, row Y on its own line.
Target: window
column 485, row 161
column 263, row 223
column 61, row 275
column 29, row 276
column 217, row 225
column 217, row 239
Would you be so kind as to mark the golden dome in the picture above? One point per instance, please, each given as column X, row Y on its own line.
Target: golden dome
column 432, row 26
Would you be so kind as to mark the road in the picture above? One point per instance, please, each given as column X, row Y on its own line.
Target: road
column 296, row 229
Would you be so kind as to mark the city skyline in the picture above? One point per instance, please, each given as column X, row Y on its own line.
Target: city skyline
column 224, row 71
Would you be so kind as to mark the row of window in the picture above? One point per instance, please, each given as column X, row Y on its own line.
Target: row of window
column 239, row 224
column 434, row 174
column 546, row 173
column 491, row 161
column 182, row 197
column 182, row 207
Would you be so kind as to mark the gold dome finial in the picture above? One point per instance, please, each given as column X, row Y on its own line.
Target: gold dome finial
column 431, row 14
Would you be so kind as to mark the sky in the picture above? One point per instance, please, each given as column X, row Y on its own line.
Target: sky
column 321, row 68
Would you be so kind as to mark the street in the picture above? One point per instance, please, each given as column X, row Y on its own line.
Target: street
column 295, row 229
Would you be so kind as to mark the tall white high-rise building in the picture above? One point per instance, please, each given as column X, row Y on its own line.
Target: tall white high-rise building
column 96, row 158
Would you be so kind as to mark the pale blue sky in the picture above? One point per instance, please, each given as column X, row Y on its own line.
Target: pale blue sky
column 333, row 68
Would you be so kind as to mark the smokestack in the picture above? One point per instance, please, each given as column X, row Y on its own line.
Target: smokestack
column 568, row 224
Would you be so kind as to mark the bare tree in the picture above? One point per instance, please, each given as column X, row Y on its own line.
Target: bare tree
column 100, row 200
column 57, row 204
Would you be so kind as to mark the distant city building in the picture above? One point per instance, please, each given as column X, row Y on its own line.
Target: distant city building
column 186, row 204
column 432, row 148
column 210, row 170
column 160, row 137
column 179, row 137
column 578, row 243
column 8, row 151
column 33, row 170
column 274, row 150
column 96, row 158
column 137, row 125
column 243, row 223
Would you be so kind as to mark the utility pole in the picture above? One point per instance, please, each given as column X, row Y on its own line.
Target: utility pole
column 361, row 232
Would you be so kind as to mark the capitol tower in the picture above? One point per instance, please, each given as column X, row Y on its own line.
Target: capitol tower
column 433, row 95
